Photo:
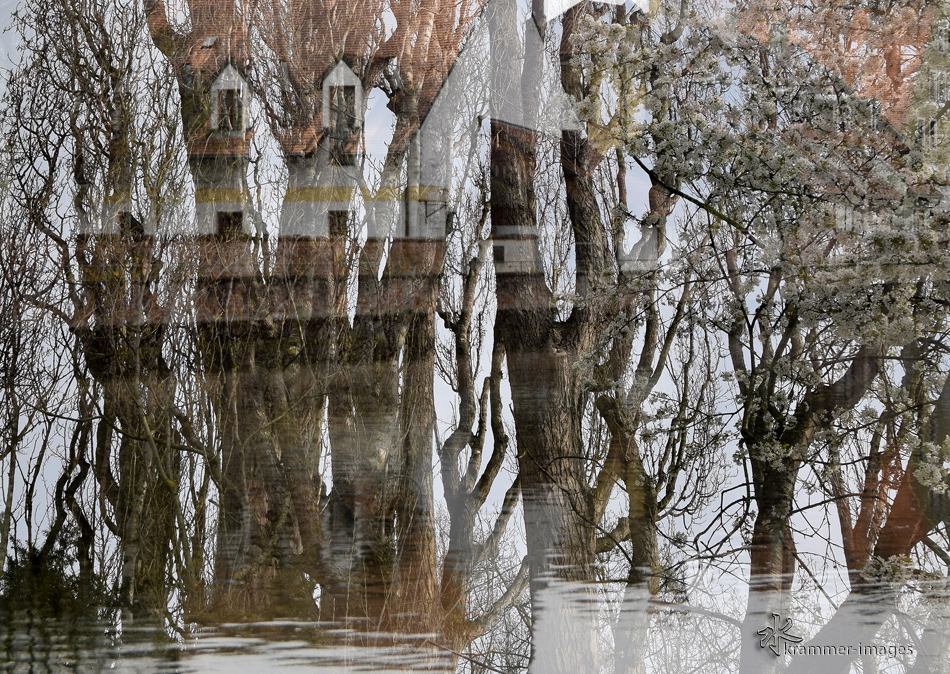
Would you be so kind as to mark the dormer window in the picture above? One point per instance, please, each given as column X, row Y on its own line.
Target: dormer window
column 874, row 112
column 230, row 110
column 342, row 109
column 848, row 218
column 927, row 132
column 285, row 79
column 342, row 113
column 228, row 101
column 343, row 124
column 778, row 35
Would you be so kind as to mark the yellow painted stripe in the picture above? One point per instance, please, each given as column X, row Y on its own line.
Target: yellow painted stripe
column 389, row 194
column 416, row 193
column 210, row 195
column 427, row 193
column 319, row 194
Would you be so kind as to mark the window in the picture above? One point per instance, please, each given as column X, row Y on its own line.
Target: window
column 846, row 219
column 938, row 86
column 130, row 226
column 230, row 110
column 342, row 108
column 230, row 224
column 498, row 253
column 778, row 35
column 286, row 81
column 927, row 132
column 852, row 218
column 337, row 222
column 342, row 124
column 436, row 217
column 874, row 113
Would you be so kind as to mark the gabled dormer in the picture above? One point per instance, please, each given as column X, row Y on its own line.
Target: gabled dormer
column 230, row 99
column 342, row 112
column 342, row 99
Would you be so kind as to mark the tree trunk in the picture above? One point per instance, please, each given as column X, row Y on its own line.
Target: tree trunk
column 548, row 404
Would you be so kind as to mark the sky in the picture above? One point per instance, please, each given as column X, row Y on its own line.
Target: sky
column 8, row 39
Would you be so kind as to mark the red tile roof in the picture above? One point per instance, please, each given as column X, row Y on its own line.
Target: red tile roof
column 878, row 54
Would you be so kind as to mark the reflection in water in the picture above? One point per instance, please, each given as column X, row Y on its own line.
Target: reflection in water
column 262, row 647
column 680, row 639
column 272, row 398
